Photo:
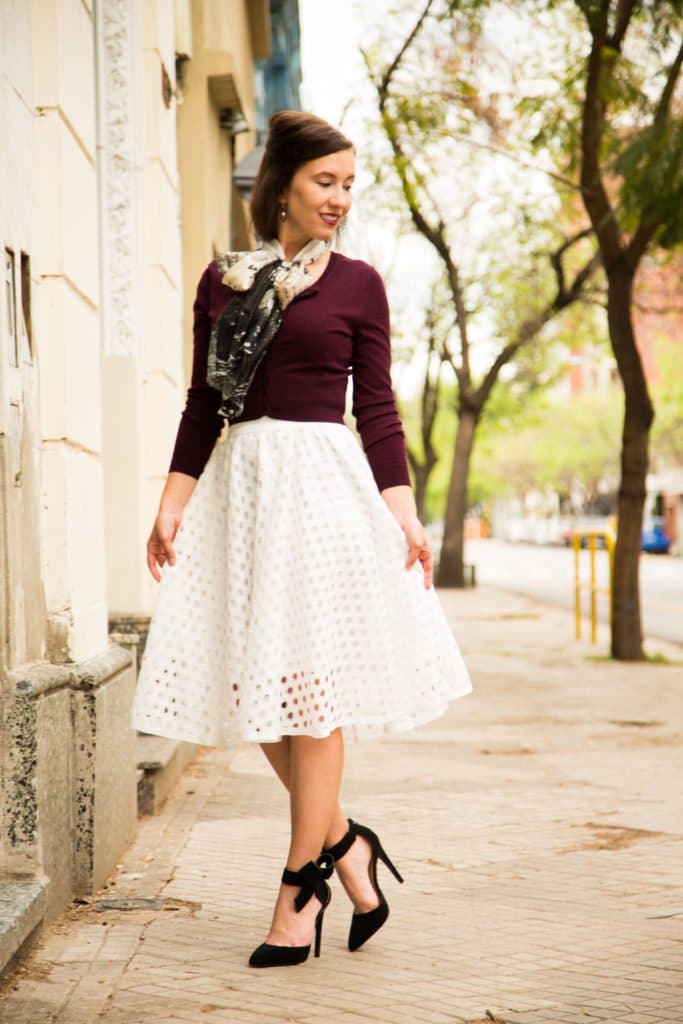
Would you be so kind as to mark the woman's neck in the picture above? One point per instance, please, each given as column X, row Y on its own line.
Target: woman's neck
column 291, row 246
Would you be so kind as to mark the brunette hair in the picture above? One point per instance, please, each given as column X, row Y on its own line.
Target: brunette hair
column 294, row 138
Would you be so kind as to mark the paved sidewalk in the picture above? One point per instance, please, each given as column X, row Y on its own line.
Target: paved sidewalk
column 539, row 826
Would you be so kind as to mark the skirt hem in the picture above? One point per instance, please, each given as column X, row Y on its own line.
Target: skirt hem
column 353, row 730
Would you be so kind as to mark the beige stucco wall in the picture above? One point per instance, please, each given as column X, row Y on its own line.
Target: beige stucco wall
column 222, row 49
column 67, row 259
column 68, row 791
column 22, row 613
column 94, row 441
column 187, row 210
column 118, row 196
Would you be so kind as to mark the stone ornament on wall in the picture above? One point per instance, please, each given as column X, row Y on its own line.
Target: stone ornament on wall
column 120, row 176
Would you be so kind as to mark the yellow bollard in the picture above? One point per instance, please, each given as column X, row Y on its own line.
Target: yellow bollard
column 592, row 584
column 593, row 591
column 577, row 583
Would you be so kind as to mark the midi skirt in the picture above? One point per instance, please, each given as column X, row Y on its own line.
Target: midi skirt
column 289, row 610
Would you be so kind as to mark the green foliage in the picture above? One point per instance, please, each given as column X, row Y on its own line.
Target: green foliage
column 552, row 446
column 652, row 169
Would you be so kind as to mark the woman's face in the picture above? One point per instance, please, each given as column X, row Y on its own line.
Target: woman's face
column 318, row 198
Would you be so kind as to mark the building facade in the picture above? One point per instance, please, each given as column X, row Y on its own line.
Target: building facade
column 126, row 119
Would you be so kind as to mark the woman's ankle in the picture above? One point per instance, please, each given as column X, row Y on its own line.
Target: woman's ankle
column 337, row 830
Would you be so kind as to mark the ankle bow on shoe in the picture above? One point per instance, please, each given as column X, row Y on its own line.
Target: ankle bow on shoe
column 312, row 879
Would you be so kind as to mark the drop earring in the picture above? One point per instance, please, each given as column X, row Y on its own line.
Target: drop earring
column 283, row 213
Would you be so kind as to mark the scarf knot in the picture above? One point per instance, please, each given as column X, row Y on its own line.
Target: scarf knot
column 264, row 282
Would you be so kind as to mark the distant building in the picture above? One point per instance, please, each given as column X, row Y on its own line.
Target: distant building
column 658, row 319
column 278, row 77
column 277, row 84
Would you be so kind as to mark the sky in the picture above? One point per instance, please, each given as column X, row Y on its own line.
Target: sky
column 331, row 65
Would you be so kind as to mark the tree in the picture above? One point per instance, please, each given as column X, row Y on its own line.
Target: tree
column 630, row 151
column 551, row 272
column 423, row 456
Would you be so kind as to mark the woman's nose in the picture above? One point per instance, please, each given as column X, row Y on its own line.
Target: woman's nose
column 341, row 198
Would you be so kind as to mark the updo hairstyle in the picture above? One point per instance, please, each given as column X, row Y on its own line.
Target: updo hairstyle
column 294, row 138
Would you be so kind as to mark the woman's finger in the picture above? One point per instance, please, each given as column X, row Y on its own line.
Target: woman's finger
column 169, row 550
column 423, row 552
column 427, row 566
column 152, row 564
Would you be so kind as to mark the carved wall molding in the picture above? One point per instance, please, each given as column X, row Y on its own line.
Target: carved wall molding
column 119, row 169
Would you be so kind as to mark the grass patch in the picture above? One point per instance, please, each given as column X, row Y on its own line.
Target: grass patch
column 657, row 658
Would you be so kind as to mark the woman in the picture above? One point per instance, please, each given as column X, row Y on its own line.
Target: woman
column 296, row 596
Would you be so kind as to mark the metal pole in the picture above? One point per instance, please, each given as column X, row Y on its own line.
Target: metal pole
column 577, row 585
column 609, row 541
column 594, row 596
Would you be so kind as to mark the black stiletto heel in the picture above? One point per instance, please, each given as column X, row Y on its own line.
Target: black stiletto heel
column 312, row 878
column 364, row 926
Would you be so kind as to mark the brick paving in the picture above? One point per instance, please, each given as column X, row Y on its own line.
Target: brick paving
column 539, row 826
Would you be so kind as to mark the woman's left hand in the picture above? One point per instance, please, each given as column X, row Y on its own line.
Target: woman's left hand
column 401, row 502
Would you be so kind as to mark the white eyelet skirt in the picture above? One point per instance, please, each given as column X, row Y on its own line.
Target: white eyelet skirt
column 289, row 610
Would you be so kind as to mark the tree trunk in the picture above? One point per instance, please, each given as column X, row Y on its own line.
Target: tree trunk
column 451, row 571
column 421, row 474
column 627, row 639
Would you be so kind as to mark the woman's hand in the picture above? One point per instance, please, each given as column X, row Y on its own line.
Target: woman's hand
column 418, row 548
column 160, row 544
column 401, row 502
column 177, row 493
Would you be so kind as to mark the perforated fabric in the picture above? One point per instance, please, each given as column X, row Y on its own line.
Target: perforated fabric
column 289, row 610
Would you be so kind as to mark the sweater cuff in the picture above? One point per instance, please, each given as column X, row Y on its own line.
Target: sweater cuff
column 389, row 462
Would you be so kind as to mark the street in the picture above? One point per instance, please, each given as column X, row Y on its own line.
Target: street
column 547, row 573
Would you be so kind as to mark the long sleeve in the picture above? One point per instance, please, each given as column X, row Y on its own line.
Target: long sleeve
column 374, row 403
column 200, row 423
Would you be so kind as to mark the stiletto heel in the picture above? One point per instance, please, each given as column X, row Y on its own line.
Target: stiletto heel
column 394, row 870
column 312, row 878
column 318, row 932
column 364, row 926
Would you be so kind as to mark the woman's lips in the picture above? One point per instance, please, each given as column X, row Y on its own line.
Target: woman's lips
column 329, row 218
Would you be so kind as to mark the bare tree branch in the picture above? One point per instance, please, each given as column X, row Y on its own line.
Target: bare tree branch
column 383, row 85
column 594, row 193
column 520, row 161
column 664, row 105
column 625, row 9
column 435, row 234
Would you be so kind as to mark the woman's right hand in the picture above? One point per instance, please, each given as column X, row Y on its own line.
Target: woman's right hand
column 176, row 494
column 160, row 544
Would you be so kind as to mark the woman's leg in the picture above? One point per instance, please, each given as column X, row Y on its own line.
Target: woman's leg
column 353, row 868
column 314, row 777
column 278, row 755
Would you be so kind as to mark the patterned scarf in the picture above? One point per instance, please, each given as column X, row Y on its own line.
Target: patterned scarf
column 264, row 282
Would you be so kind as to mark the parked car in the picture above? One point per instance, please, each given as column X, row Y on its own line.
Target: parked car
column 586, row 523
column 655, row 539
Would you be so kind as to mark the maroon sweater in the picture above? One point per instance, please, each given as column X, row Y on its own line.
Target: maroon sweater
column 336, row 326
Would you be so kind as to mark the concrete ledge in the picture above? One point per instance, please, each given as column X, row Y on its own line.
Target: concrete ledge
column 69, row 793
column 22, row 906
column 161, row 762
column 42, row 677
